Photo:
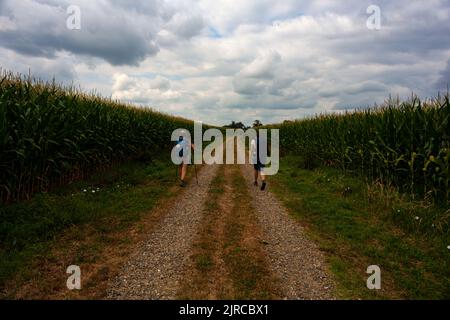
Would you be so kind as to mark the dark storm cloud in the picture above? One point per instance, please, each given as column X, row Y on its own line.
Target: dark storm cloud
column 443, row 82
column 123, row 33
column 119, row 48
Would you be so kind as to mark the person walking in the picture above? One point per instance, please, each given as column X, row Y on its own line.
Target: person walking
column 258, row 166
column 184, row 145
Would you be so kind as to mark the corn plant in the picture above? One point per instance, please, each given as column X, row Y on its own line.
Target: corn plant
column 51, row 135
column 406, row 144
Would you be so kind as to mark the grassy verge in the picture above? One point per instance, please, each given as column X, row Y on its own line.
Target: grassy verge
column 242, row 250
column 360, row 224
column 92, row 224
column 205, row 253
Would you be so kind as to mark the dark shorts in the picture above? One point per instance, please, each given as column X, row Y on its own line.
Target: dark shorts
column 259, row 166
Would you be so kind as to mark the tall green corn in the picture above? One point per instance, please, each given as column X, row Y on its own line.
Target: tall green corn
column 406, row 144
column 51, row 135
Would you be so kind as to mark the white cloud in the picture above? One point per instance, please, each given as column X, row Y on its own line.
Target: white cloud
column 145, row 91
column 262, row 67
column 224, row 60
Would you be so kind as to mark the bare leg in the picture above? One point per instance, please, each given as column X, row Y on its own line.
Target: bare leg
column 256, row 177
column 183, row 171
column 263, row 179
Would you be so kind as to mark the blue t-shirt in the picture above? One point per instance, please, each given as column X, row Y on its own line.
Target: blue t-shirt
column 182, row 146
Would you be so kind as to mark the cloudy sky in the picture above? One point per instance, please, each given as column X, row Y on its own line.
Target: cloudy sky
column 223, row 60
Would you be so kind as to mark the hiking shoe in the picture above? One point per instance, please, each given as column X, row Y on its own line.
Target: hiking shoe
column 182, row 184
column 263, row 187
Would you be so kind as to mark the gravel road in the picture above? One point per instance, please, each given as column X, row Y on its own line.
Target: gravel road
column 159, row 263
column 294, row 259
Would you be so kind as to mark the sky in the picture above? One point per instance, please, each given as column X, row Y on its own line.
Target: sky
column 219, row 61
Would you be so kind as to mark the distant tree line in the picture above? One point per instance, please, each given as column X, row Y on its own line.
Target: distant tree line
column 240, row 125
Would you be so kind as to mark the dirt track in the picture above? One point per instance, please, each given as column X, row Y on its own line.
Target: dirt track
column 163, row 264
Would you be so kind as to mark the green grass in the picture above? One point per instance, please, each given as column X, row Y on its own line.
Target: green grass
column 204, row 263
column 245, row 259
column 109, row 201
column 205, row 247
column 370, row 225
column 195, row 286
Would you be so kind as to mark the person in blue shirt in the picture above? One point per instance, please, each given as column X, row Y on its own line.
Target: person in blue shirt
column 184, row 145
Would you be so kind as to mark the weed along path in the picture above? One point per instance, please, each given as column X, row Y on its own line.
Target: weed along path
column 224, row 239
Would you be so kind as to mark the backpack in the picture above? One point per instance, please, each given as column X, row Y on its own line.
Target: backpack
column 260, row 160
column 181, row 152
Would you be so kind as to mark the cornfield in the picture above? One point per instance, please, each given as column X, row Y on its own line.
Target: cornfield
column 51, row 135
column 406, row 144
